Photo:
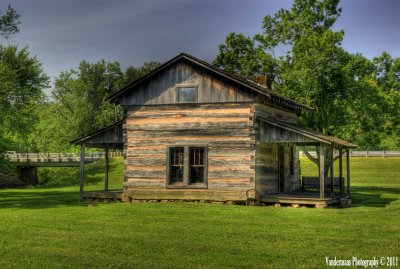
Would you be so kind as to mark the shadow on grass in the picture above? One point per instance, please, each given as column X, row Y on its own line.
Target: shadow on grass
column 69, row 176
column 369, row 196
column 38, row 199
column 373, row 196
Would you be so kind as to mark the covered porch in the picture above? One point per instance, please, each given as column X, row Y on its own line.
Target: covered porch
column 301, row 199
column 108, row 138
column 330, row 184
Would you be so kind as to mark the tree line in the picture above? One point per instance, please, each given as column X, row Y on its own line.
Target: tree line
column 354, row 98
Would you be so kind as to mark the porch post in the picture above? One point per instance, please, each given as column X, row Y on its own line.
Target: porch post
column 82, row 168
column 186, row 173
column 331, row 165
column 321, row 171
column 106, row 169
column 348, row 171
column 341, row 172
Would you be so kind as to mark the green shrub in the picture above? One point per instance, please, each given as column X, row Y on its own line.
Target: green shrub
column 9, row 180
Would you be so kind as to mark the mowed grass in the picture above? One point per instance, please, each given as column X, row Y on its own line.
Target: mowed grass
column 50, row 228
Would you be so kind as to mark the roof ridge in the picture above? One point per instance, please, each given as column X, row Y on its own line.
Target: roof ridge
column 238, row 79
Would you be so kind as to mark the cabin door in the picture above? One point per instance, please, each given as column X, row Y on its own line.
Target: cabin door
column 281, row 168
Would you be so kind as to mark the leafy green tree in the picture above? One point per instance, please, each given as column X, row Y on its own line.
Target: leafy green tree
column 387, row 72
column 9, row 22
column 79, row 105
column 22, row 81
column 352, row 97
column 132, row 73
column 387, row 77
column 240, row 55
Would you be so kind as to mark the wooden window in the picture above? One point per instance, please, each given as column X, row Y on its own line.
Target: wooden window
column 196, row 165
column 176, row 165
column 187, row 167
column 187, row 95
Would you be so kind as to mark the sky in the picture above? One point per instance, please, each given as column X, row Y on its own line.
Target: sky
column 62, row 33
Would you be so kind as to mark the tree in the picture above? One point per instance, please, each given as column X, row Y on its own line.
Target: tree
column 352, row 97
column 79, row 105
column 9, row 22
column 387, row 77
column 132, row 73
column 240, row 55
column 22, row 81
column 387, row 72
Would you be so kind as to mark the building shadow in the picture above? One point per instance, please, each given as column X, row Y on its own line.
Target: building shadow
column 36, row 199
column 374, row 196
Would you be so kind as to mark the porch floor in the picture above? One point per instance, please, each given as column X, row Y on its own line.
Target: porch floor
column 103, row 195
column 302, row 198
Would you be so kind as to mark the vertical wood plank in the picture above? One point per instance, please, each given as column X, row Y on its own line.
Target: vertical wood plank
column 321, row 171
column 106, row 169
column 341, row 172
column 348, row 171
column 82, row 169
column 186, row 165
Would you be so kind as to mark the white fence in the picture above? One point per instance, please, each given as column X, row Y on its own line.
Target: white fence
column 366, row 153
column 52, row 157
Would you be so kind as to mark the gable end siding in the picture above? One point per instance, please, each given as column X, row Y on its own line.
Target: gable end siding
column 162, row 88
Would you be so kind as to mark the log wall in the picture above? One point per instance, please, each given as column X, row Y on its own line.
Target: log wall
column 226, row 130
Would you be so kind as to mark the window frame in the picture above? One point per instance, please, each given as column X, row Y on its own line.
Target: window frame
column 194, row 86
column 186, row 168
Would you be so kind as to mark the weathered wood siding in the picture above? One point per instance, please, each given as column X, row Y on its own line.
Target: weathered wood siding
column 226, row 130
column 270, row 133
column 111, row 136
column 268, row 139
column 266, row 168
column 162, row 88
column 294, row 181
column 275, row 113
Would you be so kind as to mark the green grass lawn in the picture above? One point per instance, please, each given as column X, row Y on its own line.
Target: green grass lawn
column 50, row 228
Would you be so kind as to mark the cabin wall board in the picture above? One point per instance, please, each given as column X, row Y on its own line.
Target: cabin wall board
column 226, row 130
column 266, row 168
column 275, row 113
column 271, row 133
column 296, row 177
column 162, row 88
column 287, row 177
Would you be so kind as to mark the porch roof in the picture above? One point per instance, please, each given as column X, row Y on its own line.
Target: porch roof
column 309, row 134
column 109, row 136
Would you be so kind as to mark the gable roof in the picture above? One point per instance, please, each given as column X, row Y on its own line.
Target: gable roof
column 255, row 87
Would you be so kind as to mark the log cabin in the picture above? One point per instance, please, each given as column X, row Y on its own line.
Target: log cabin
column 194, row 132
